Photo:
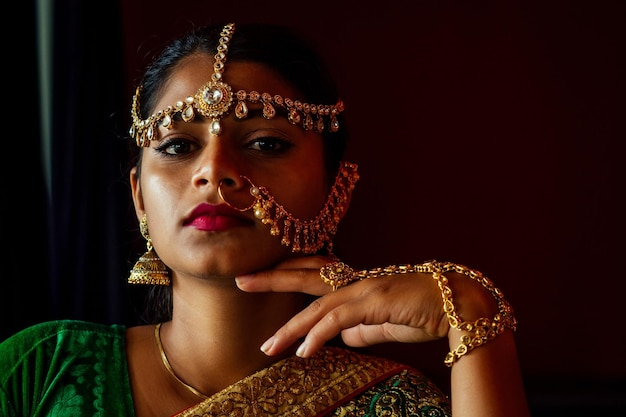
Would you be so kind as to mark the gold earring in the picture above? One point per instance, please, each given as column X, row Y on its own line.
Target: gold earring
column 149, row 269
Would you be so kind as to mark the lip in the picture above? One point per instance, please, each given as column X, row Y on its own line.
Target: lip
column 215, row 218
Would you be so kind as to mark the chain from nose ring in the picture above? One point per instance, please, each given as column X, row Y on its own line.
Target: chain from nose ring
column 254, row 192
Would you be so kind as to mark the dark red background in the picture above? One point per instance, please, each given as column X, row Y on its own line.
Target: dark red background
column 488, row 133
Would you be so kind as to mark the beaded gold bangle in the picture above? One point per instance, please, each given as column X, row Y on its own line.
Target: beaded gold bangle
column 480, row 331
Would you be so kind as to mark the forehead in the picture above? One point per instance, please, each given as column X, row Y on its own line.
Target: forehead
column 194, row 71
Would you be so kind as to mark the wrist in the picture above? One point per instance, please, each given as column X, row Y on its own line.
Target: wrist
column 486, row 313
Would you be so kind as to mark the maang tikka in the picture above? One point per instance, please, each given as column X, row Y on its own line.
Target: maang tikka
column 216, row 99
column 149, row 269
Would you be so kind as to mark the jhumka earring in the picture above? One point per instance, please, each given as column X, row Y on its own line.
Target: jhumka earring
column 149, row 269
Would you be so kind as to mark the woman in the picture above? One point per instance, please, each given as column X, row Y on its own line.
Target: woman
column 238, row 188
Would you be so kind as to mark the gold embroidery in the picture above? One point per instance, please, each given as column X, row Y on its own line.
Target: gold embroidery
column 295, row 386
column 408, row 393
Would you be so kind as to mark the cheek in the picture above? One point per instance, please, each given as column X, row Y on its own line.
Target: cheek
column 306, row 192
column 161, row 199
column 311, row 185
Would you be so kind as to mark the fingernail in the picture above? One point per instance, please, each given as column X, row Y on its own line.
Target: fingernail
column 265, row 347
column 301, row 350
column 242, row 279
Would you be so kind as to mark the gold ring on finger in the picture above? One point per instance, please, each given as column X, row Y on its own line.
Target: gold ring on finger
column 337, row 274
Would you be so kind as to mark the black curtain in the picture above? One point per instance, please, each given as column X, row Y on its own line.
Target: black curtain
column 69, row 245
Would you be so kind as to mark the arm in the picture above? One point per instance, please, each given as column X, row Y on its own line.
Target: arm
column 487, row 380
column 405, row 307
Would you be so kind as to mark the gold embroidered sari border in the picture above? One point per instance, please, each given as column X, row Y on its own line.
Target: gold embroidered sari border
column 298, row 387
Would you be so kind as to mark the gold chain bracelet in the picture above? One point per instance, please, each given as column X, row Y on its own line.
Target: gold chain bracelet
column 481, row 330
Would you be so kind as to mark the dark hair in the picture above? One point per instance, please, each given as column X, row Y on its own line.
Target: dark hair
column 275, row 46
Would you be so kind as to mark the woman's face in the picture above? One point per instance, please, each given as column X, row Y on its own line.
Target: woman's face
column 181, row 171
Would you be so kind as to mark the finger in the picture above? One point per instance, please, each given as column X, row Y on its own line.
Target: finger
column 336, row 321
column 324, row 319
column 284, row 280
column 298, row 327
column 373, row 311
column 372, row 334
column 293, row 275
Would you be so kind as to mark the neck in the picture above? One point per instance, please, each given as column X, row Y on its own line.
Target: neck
column 215, row 335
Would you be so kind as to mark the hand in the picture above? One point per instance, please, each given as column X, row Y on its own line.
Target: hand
column 400, row 308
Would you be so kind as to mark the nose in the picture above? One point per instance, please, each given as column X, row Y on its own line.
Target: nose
column 217, row 163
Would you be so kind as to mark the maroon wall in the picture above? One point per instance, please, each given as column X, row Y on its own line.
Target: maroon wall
column 487, row 134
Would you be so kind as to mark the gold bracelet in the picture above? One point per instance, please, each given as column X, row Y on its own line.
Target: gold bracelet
column 481, row 330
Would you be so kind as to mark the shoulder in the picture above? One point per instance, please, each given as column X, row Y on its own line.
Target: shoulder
column 70, row 366
column 60, row 331
column 42, row 341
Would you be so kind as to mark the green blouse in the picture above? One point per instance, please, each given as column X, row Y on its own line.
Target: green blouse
column 65, row 368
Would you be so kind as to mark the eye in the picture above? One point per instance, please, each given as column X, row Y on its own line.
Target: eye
column 176, row 147
column 270, row 144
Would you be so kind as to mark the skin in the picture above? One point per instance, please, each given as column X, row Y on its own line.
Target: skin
column 404, row 308
column 248, row 311
column 210, row 312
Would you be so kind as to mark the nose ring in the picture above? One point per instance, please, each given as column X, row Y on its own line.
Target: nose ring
column 254, row 192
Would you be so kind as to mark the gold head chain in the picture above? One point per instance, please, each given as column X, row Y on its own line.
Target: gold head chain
column 214, row 100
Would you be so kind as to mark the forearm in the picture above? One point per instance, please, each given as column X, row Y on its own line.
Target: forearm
column 487, row 381
column 367, row 307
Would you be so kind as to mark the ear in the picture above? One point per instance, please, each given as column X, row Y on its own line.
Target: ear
column 135, row 186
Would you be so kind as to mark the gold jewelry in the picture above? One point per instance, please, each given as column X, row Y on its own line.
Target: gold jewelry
column 480, row 331
column 166, row 363
column 306, row 236
column 337, row 274
column 149, row 269
column 215, row 98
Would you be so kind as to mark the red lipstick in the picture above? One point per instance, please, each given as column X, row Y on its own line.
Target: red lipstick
column 211, row 218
